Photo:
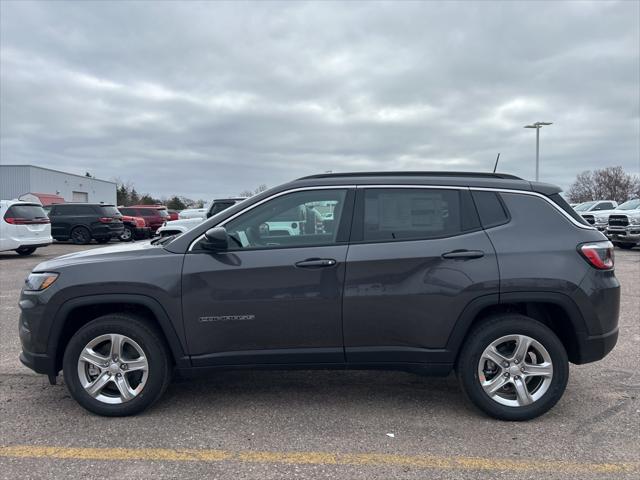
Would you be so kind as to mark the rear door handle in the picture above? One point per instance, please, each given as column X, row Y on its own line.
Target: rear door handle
column 316, row 263
column 463, row 254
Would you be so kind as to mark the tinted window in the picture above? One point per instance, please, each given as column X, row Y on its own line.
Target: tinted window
column 490, row 209
column 129, row 211
column 263, row 227
column 74, row 210
column 404, row 213
column 146, row 212
column 26, row 212
column 219, row 207
column 163, row 213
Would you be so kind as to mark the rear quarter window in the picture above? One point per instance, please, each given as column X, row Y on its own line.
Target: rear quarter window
column 562, row 203
column 491, row 209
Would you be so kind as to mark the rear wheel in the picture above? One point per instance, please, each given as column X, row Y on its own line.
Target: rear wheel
column 25, row 250
column 513, row 367
column 116, row 365
column 127, row 234
column 81, row 236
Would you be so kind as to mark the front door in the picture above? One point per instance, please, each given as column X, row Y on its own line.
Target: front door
column 275, row 295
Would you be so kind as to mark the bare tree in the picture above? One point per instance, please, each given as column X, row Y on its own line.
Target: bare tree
column 259, row 189
column 611, row 183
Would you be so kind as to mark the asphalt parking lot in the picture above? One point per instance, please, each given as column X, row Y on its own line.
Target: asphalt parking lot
column 316, row 424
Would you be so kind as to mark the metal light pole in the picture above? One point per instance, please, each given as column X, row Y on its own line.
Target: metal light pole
column 538, row 126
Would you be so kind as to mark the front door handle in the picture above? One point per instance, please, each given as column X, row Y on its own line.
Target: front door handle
column 316, row 263
column 463, row 254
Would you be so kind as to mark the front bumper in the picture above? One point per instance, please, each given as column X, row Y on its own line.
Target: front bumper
column 141, row 233
column 628, row 234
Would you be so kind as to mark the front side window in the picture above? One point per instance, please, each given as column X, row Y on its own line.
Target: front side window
column 406, row 214
column 307, row 218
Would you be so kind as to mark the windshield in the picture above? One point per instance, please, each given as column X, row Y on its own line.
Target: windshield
column 630, row 205
column 584, row 206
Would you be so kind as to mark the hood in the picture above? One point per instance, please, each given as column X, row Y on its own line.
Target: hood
column 103, row 254
column 185, row 222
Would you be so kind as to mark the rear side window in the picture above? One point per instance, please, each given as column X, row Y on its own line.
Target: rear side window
column 74, row 210
column 490, row 208
column 415, row 214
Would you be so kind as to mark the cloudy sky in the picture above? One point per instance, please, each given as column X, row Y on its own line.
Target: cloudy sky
column 207, row 98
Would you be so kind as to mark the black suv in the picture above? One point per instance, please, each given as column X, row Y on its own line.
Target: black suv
column 82, row 222
column 488, row 274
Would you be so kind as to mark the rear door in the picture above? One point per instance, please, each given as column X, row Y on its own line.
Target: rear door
column 418, row 256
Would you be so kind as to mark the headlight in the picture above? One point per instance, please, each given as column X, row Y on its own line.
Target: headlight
column 635, row 219
column 37, row 282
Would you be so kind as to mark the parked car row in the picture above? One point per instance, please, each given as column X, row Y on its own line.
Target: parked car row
column 621, row 223
column 195, row 216
column 26, row 225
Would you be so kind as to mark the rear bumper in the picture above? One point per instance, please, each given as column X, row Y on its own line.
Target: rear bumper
column 596, row 347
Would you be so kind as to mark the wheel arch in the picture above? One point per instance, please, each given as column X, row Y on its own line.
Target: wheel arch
column 77, row 312
column 555, row 310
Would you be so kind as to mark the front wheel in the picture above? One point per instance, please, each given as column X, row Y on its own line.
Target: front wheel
column 625, row 246
column 513, row 367
column 25, row 250
column 116, row 365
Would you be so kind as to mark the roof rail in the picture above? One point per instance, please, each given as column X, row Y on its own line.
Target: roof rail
column 414, row 174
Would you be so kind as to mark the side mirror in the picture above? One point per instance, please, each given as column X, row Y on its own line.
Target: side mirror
column 216, row 239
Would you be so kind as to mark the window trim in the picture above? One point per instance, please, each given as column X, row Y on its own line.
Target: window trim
column 348, row 208
column 436, row 187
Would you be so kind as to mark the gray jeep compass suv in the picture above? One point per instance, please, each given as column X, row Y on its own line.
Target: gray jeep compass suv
column 489, row 275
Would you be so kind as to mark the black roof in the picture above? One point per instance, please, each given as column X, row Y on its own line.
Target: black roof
column 458, row 179
column 414, row 174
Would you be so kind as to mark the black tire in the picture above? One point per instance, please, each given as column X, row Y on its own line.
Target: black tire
column 625, row 246
column 24, row 251
column 81, row 236
column 480, row 337
column 155, row 351
column 127, row 234
column 103, row 240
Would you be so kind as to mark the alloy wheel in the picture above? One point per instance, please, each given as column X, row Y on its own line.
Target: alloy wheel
column 113, row 368
column 515, row 370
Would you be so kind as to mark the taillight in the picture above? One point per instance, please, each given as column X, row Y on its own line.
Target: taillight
column 105, row 219
column 598, row 254
column 26, row 221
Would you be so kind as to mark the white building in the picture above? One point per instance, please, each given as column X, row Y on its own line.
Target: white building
column 17, row 180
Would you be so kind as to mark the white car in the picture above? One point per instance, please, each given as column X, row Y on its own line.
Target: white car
column 174, row 227
column 24, row 227
column 590, row 210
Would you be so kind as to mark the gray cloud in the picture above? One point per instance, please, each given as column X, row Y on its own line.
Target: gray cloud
column 211, row 98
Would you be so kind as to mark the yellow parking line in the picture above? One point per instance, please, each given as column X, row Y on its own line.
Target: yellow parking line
column 314, row 458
